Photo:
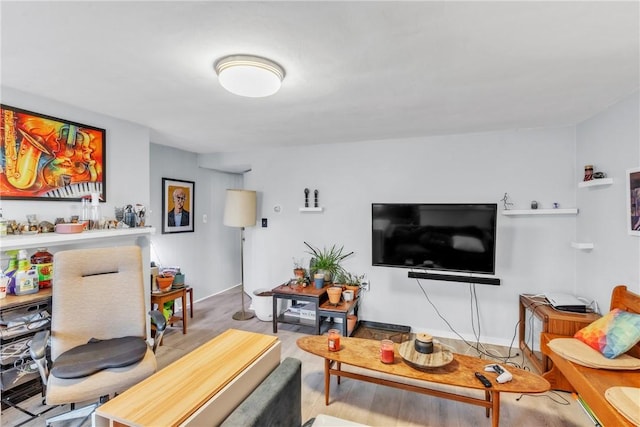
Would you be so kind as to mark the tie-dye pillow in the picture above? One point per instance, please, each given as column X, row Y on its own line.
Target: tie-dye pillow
column 612, row 334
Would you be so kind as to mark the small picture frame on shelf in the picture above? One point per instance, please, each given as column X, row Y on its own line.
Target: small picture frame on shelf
column 633, row 201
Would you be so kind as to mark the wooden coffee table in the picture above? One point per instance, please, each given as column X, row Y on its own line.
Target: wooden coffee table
column 365, row 354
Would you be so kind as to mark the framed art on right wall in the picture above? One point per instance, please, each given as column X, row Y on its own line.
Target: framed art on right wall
column 633, row 201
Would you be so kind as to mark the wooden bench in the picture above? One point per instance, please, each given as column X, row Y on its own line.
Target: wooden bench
column 201, row 388
column 591, row 383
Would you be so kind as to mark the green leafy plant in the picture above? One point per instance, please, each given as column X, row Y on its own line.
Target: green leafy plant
column 327, row 260
column 351, row 279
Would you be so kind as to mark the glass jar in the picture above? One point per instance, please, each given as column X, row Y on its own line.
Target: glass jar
column 386, row 351
column 588, row 172
column 333, row 340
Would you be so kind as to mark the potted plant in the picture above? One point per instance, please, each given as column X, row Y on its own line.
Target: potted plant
column 298, row 269
column 352, row 282
column 327, row 260
column 301, row 282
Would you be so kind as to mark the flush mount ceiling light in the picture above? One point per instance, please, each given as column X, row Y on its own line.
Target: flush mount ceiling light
column 251, row 76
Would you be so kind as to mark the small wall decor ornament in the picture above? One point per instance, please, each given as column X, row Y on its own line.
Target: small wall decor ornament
column 588, row 172
column 306, row 197
column 599, row 175
column 505, row 200
column 315, row 198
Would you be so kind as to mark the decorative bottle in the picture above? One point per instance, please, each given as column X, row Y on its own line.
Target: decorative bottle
column 85, row 216
column 95, row 211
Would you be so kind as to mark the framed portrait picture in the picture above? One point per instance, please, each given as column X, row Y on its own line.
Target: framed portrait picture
column 47, row 158
column 633, row 201
column 177, row 205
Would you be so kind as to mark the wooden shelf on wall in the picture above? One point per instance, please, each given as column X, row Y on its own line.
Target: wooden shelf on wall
column 584, row 246
column 522, row 212
column 595, row 183
column 311, row 209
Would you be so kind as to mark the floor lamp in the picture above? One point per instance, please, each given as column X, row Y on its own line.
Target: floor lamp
column 240, row 211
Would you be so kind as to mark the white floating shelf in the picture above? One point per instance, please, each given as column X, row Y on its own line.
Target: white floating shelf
column 311, row 209
column 582, row 246
column 521, row 212
column 595, row 182
column 50, row 239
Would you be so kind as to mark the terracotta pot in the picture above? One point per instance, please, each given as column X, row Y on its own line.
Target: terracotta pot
column 352, row 319
column 334, row 293
column 164, row 283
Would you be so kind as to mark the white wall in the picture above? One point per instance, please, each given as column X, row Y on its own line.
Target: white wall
column 534, row 253
column 611, row 142
column 210, row 256
column 127, row 176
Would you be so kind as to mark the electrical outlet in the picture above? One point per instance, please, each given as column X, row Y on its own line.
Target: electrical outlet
column 364, row 285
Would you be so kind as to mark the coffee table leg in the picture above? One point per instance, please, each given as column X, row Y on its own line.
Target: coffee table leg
column 495, row 416
column 339, row 365
column 327, row 380
column 487, row 397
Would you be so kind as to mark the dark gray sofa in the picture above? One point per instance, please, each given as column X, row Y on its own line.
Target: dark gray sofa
column 277, row 401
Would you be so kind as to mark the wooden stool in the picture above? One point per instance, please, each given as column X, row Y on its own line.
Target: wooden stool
column 161, row 297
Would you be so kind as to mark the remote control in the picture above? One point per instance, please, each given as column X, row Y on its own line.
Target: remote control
column 483, row 379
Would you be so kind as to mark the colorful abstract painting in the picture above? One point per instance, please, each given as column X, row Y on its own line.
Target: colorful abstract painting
column 46, row 158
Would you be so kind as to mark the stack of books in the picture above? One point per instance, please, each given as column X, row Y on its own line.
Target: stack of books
column 305, row 312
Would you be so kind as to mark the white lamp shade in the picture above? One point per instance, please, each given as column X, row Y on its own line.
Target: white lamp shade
column 249, row 76
column 240, row 208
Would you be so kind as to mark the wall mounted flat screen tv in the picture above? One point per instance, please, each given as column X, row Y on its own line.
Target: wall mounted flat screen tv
column 446, row 237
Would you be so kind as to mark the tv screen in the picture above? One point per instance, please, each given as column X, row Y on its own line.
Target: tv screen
column 446, row 237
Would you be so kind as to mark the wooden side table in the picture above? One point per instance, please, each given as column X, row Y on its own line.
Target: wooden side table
column 551, row 320
column 161, row 297
column 308, row 294
column 340, row 311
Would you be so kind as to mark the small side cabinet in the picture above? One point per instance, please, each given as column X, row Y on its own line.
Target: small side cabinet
column 537, row 316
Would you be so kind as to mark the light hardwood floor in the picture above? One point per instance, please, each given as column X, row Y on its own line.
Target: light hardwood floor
column 365, row 403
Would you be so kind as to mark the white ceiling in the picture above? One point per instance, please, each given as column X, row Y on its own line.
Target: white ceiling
column 356, row 71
